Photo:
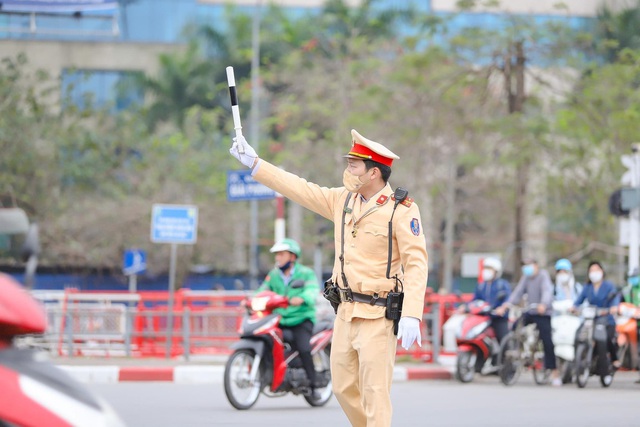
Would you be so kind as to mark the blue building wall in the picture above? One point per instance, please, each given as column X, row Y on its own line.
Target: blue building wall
column 163, row 21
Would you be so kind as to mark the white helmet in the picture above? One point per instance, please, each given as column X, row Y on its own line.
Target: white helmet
column 493, row 263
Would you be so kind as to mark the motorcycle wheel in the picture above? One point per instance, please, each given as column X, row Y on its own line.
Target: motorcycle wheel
column 465, row 366
column 240, row 391
column 322, row 363
column 583, row 364
column 510, row 356
column 540, row 374
column 606, row 380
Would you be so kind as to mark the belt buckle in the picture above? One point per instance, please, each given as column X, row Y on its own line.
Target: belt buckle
column 345, row 295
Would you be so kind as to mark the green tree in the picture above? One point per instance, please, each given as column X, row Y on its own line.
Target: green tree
column 617, row 30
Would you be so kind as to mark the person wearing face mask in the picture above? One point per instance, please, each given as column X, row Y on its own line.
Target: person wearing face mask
column 536, row 285
column 604, row 294
column 380, row 254
column 495, row 291
column 566, row 287
column 300, row 315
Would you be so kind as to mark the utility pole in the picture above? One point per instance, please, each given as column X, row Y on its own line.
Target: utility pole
column 631, row 200
column 254, row 120
column 449, row 225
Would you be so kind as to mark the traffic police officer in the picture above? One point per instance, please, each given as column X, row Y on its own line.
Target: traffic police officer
column 364, row 345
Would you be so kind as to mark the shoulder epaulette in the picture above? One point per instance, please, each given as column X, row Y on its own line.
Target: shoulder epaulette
column 406, row 202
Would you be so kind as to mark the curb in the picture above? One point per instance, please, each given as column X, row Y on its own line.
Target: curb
column 208, row 374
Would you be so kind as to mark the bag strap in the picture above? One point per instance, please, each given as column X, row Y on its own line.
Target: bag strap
column 345, row 283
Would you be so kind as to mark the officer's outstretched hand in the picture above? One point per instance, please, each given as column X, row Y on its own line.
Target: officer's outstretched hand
column 242, row 151
column 409, row 332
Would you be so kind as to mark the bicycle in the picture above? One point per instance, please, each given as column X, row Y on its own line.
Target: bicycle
column 522, row 349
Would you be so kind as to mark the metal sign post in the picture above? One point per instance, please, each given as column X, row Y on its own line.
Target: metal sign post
column 174, row 224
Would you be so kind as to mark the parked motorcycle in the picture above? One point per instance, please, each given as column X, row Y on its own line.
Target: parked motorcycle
column 35, row 392
column 264, row 362
column 627, row 329
column 477, row 343
column 592, row 355
column 564, row 326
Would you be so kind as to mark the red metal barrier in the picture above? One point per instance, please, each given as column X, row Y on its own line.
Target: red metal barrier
column 149, row 337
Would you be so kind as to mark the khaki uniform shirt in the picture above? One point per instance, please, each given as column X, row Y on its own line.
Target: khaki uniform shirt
column 365, row 254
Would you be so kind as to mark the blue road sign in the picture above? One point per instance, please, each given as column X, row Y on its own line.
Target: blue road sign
column 174, row 224
column 241, row 186
column 134, row 261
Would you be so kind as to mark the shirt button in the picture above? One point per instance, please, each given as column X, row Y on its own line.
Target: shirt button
column 353, row 246
column 347, row 262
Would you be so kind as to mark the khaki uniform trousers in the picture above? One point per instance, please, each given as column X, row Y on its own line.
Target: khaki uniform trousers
column 363, row 353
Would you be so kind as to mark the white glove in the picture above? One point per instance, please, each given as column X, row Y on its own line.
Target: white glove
column 409, row 332
column 248, row 157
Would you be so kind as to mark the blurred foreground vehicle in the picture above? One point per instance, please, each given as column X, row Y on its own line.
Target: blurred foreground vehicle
column 34, row 391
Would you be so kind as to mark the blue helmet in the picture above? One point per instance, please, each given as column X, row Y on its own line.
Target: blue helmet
column 563, row 264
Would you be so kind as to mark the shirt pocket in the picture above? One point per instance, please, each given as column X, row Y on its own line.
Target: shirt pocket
column 374, row 239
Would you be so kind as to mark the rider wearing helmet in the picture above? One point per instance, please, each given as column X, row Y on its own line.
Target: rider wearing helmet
column 299, row 284
column 566, row 287
column 494, row 290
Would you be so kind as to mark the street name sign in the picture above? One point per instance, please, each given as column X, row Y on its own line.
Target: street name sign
column 241, row 186
column 174, row 224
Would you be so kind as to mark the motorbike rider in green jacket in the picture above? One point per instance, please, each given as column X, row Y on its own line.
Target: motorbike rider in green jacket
column 300, row 285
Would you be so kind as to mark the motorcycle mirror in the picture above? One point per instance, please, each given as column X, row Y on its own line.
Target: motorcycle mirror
column 297, row 284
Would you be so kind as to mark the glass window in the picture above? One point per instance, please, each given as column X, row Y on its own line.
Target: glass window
column 114, row 90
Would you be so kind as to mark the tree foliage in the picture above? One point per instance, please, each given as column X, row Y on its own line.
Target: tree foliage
column 433, row 95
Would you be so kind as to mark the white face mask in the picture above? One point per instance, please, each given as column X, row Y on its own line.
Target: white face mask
column 351, row 182
column 487, row 274
column 596, row 276
column 562, row 278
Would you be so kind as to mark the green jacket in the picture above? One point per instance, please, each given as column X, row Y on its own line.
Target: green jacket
column 294, row 315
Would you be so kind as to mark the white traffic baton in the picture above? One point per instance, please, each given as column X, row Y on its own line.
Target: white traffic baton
column 235, row 110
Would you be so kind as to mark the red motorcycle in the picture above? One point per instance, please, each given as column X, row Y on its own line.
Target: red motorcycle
column 35, row 392
column 477, row 343
column 264, row 362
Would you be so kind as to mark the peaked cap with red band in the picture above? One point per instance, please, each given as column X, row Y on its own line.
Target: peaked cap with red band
column 365, row 149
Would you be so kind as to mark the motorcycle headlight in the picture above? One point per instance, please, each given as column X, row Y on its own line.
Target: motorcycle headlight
column 259, row 303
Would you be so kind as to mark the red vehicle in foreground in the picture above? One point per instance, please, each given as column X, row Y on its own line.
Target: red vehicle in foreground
column 477, row 343
column 263, row 361
column 34, row 392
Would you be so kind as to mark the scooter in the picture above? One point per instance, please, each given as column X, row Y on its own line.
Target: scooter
column 477, row 343
column 564, row 326
column 627, row 329
column 264, row 362
column 35, row 392
column 592, row 355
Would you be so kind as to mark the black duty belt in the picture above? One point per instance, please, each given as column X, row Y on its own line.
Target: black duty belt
column 347, row 295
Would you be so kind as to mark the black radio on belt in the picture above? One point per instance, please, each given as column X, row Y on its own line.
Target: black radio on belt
column 394, row 305
column 331, row 294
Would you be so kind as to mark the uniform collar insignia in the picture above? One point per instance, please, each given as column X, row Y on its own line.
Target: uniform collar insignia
column 382, row 200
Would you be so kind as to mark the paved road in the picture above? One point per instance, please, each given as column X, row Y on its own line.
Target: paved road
column 485, row 402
